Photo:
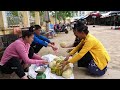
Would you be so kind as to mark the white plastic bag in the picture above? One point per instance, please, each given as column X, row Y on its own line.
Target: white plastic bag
column 48, row 73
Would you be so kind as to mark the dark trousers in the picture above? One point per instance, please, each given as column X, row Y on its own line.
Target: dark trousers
column 36, row 47
column 85, row 60
column 88, row 62
column 14, row 65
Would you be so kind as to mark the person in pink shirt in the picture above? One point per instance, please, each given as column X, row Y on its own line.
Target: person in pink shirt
column 20, row 52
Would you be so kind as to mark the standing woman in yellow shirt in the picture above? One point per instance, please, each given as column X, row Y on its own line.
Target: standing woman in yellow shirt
column 92, row 54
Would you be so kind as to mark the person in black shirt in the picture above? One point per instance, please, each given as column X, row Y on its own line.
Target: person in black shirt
column 76, row 42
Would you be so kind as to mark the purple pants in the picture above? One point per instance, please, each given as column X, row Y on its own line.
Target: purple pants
column 93, row 69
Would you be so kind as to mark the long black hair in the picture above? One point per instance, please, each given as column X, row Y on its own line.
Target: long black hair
column 34, row 27
column 27, row 33
column 80, row 27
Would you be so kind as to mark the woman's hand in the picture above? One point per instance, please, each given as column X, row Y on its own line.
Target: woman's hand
column 67, row 57
column 42, row 62
column 64, row 63
column 45, row 62
column 54, row 48
column 52, row 43
column 69, row 50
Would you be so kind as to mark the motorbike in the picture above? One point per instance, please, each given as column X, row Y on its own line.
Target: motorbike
column 64, row 29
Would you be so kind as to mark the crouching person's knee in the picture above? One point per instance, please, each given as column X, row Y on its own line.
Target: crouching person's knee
column 94, row 70
column 17, row 67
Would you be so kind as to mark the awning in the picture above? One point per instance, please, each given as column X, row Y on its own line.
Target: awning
column 74, row 18
column 115, row 13
column 104, row 15
column 95, row 15
column 83, row 17
column 79, row 17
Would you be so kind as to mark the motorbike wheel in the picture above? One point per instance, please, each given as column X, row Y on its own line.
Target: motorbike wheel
column 66, row 31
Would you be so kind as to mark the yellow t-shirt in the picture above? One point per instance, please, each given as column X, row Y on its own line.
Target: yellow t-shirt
column 95, row 47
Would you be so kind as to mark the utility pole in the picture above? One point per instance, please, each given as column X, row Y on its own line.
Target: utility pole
column 47, row 19
column 55, row 17
column 3, row 20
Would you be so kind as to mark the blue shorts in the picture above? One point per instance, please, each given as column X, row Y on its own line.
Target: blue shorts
column 93, row 69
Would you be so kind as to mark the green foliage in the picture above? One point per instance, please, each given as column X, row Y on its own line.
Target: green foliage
column 63, row 14
column 14, row 13
column 41, row 13
column 32, row 13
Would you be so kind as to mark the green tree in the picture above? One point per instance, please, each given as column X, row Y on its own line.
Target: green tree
column 41, row 13
column 32, row 13
column 41, row 17
column 14, row 13
column 65, row 14
column 62, row 15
